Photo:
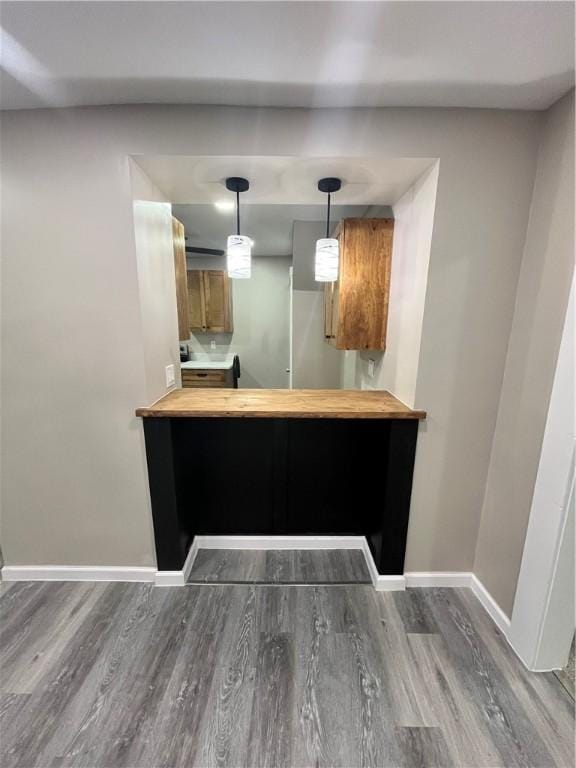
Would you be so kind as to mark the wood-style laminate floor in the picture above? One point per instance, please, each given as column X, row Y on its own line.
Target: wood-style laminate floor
column 280, row 566
column 106, row 675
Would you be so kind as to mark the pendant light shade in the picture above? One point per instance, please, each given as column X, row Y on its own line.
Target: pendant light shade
column 239, row 256
column 239, row 247
column 327, row 248
column 326, row 262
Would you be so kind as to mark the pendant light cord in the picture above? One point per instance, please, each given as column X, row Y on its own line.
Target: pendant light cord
column 328, row 218
column 237, row 211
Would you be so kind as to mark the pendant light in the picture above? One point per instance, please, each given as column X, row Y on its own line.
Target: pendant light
column 239, row 247
column 327, row 248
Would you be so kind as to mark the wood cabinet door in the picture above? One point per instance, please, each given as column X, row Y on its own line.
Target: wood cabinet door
column 196, row 305
column 217, row 298
column 364, row 283
column 181, row 279
column 328, row 298
column 330, row 310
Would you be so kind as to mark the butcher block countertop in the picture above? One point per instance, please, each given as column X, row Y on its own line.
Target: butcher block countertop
column 281, row 403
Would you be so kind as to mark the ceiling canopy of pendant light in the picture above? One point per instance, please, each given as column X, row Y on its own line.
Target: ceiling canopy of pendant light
column 327, row 248
column 239, row 247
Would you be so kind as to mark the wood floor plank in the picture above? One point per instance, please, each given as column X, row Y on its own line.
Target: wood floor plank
column 25, row 624
column 280, row 566
column 180, row 714
column 312, row 624
column 409, row 707
column 223, row 737
column 35, row 742
column 276, row 609
column 546, row 703
column 30, row 658
column 510, row 728
column 357, row 567
column 122, row 706
column 282, row 675
column 423, row 747
column 228, row 565
column 414, row 612
column 270, row 737
column 441, row 692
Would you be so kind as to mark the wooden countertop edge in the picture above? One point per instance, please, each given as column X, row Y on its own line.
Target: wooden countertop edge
column 254, row 414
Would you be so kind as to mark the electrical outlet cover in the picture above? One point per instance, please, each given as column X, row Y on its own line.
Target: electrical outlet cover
column 170, row 376
column 371, row 368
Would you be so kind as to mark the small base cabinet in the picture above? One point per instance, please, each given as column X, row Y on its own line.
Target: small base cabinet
column 256, row 476
column 204, row 379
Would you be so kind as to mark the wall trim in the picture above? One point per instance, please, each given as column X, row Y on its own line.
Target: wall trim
column 178, row 578
column 77, row 573
column 438, row 579
column 389, row 584
column 280, row 542
column 492, row 608
column 381, row 583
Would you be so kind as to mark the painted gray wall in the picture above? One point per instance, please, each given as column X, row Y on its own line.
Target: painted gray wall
column 75, row 487
column 541, row 301
column 304, row 236
column 261, row 324
column 156, row 282
column 396, row 369
column 315, row 364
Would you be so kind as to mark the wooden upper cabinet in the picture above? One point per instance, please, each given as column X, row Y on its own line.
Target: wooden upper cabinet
column 210, row 300
column 196, row 304
column 179, row 244
column 218, row 300
column 356, row 307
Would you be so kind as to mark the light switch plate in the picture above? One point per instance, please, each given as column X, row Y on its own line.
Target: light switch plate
column 170, row 376
column 371, row 368
column 212, row 343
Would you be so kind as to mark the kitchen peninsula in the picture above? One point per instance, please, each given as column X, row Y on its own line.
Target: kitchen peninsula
column 280, row 462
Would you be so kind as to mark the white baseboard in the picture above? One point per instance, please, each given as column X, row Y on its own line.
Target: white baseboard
column 76, row 573
column 178, row 578
column 389, row 584
column 438, row 579
column 491, row 606
column 381, row 583
column 280, row 542
column 462, row 579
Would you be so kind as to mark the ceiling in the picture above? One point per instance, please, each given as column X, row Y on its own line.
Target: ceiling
column 284, row 180
column 270, row 226
column 312, row 54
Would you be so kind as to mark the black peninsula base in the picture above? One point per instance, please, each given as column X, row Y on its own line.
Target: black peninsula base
column 281, row 476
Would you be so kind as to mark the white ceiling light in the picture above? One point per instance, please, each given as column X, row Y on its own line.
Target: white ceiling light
column 239, row 248
column 224, row 205
column 327, row 248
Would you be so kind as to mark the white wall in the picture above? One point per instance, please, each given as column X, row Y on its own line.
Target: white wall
column 315, row 363
column 156, row 282
column 541, row 300
column 261, row 324
column 396, row 369
column 75, row 488
column 542, row 625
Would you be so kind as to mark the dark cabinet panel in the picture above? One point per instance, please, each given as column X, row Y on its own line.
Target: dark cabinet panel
column 333, row 464
column 225, row 475
column 258, row 476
